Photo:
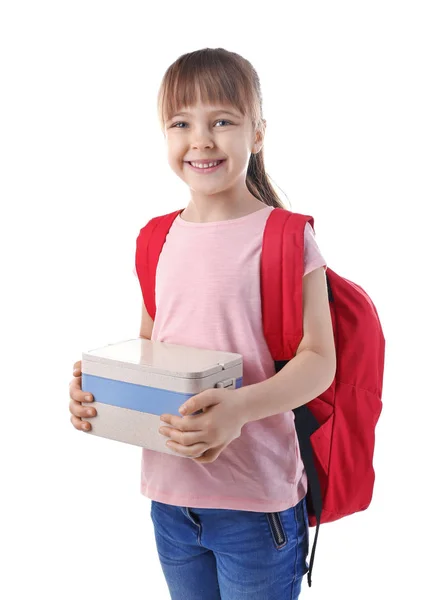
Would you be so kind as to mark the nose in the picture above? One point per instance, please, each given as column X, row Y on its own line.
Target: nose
column 200, row 145
column 201, row 138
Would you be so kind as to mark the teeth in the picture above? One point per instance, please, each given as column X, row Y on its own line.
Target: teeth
column 205, row 165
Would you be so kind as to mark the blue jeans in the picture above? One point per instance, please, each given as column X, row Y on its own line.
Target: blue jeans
column 217, row 554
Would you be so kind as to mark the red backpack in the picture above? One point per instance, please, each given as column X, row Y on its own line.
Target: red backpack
column 336, row 431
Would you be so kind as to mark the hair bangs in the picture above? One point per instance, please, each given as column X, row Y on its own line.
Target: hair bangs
column 207, row 77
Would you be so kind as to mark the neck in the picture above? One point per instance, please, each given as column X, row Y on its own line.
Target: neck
column 207, row 209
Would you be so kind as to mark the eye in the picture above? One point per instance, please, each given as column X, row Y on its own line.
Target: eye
column 175, row 125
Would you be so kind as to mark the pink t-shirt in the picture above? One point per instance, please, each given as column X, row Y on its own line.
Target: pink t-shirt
column 208, row 296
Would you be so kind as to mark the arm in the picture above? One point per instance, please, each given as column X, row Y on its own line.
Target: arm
column 146, row 324
column 311, row 371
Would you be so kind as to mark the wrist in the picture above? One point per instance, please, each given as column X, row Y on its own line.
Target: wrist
column 245, row 398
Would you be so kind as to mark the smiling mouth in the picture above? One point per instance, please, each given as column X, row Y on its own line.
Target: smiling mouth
column 206, row 169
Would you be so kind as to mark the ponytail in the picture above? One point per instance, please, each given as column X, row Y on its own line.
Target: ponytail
column 258, row 181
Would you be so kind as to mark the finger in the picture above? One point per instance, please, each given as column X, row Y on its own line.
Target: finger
column 189, row 451
column 203, row 400
column 78, row 410
column 189, row 423
column 76, row 393
column 209, row 455
column 77, row 368
column 186, row 438
column 81, row 425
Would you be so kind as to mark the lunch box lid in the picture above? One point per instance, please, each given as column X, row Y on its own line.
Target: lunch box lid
column 163, row 358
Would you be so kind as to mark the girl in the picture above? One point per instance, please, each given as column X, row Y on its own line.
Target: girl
column 231, row 522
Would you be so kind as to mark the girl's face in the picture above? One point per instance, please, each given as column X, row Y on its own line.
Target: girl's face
column 208, row 133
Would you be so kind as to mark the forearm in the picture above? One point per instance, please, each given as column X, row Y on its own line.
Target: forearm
column 302, row 379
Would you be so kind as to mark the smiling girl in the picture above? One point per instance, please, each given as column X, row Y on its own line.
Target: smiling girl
column 231, row 520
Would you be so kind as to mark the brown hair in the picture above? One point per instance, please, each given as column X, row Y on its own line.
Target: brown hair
column 220, row 77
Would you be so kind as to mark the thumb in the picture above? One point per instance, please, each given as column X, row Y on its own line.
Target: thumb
column 198, row 402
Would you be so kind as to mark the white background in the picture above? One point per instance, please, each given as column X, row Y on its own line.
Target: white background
column 355, row 98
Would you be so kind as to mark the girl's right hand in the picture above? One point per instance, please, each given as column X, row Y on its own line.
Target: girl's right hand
column 77, row 396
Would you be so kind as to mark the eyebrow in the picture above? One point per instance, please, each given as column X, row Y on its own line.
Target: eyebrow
column 213, row 112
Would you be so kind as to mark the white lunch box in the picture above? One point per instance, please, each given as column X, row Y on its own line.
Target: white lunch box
column 135, row 381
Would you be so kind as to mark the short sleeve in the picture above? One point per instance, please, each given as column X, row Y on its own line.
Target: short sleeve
column 313, row 258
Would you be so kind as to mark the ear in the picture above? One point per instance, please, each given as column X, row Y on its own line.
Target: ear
column 259, row 138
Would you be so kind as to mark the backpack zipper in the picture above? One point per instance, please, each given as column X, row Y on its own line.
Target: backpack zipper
column 277, row 528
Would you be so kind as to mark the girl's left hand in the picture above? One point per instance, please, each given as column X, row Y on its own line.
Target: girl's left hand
column 204, row 436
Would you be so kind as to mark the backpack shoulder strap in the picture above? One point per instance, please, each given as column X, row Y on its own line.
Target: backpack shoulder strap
column 148, row 248
column 282, row 268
